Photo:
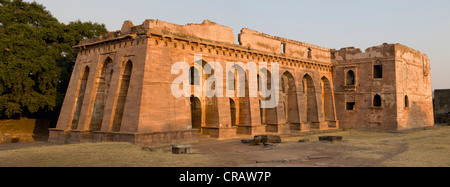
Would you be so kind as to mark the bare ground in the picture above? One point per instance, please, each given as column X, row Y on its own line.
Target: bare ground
column 417, row 148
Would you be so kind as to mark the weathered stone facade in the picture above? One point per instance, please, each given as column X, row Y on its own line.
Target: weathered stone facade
column 120, row 89
column 386, row 87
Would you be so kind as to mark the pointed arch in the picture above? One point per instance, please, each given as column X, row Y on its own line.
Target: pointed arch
column 310, row 99
column 243, row 103
column 289, row 98
column 211, row 103
column 377, row 101
column 350, row 78
column 269, row 115
column 194, row 76
column 80, row 97
column 123, row 92
column 196, row 113
column 327, row 100
column 103, row 84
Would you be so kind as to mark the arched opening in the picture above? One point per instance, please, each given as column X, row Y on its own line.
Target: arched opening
column 121, row 100
column 350, row 79
column 211, row 103
column 243, row 108
column 233, row 112
column 196, row 113
column 288, row 99
column 269, row 115
column 377, row 101
column 194, row 76
column 80, row 97
column 309, row 53
column 310, row 99
column 101, row 96
column 327, row 100
column 406, row 101
column 231, row 81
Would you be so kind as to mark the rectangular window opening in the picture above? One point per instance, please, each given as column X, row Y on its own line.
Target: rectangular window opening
column 351, row 105
column 378, row 71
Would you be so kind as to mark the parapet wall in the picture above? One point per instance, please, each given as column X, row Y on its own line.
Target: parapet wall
column 264, row 42
column 351, row 53
column 249, row 39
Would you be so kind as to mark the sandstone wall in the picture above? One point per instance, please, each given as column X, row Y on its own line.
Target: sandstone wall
column 414, row 92
column 366, row 115
column 405, row 87
column 281, row 46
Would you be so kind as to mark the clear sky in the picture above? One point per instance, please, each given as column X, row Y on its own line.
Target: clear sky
column 421, row 25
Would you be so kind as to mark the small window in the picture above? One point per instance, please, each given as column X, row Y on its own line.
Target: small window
column 378, row 71
column 350, row 78
column 377, row 101
column 351, row 105
column 406, row 101
column 283, row 48
column 309, row 53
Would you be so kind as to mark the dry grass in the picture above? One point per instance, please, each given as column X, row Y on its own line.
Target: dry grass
column 360, row 148
column 97, row 155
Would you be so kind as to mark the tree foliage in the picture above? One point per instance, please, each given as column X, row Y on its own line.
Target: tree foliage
column 36, row 57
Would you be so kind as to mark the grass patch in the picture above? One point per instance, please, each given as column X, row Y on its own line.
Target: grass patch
column 98, row 155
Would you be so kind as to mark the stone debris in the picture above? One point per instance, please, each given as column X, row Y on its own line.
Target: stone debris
column 330, row 138
column 303, row 140
column 181, row 149
column 266, row 140
column 270, row 138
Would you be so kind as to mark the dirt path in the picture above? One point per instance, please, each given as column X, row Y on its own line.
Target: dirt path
column 359, row 148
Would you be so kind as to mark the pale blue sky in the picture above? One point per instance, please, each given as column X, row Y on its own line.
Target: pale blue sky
column 421, row 25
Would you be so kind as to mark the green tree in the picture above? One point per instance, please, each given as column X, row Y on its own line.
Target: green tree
column 36, row 57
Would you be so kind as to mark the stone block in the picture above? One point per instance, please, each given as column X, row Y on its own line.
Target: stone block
column 181, row 149
column 256, row 141
column 269, row 138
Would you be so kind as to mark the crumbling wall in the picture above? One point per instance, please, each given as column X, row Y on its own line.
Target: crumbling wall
column 365, row 115
column 206, row 30
column 405, row 87
column 264, row 42
column 414, row 92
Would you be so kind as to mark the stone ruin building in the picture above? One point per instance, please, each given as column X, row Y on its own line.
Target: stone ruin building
column 120, row 89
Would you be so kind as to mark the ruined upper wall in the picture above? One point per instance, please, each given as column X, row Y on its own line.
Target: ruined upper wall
column 351, row 53
column 264, row 42
column 398, row 52
column 413, row 57
column 211, row 31
column 207, row 30
column 382, row 51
